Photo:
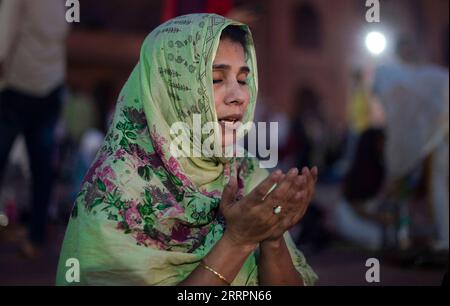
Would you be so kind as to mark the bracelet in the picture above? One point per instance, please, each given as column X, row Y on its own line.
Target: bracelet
column 204, row 265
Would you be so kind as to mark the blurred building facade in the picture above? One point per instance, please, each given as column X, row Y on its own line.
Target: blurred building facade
column 302, row 45
column 316, row 44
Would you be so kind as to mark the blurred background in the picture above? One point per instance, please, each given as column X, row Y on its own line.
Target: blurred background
column 366, row 102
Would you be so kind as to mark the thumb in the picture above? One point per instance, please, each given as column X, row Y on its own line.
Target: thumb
column 229, row 193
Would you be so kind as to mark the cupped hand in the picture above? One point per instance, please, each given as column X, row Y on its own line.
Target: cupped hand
column 294, row 194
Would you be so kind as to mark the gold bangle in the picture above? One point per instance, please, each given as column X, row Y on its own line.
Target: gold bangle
column 204, row 265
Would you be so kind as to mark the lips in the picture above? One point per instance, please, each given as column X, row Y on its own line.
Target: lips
column 231, row 121
column 231, row 118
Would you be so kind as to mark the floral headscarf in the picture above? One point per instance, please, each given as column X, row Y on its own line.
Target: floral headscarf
column 144, row 217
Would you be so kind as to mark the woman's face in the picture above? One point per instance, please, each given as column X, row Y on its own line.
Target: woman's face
column 231, row 92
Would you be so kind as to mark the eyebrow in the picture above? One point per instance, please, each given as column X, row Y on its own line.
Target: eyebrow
column 228, row 67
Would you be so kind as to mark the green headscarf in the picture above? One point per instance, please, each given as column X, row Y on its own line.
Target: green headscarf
column 144, row 217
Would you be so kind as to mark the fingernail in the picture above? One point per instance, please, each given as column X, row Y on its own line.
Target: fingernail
column 316, row 170
column 293, row 170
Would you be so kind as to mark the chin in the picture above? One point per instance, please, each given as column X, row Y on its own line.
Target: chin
column 227, row 142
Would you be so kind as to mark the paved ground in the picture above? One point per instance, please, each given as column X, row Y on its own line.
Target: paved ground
column 16, row 269
column 335, row 265
column 346, row 267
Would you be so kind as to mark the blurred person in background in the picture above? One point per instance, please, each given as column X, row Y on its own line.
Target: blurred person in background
column 307, row 136
column 311, row 140
column 415, row 100
column 32, row 73
column 304, row 140
column 358, row 110
column 78, row 139
column 358, row 116
column 359, row 217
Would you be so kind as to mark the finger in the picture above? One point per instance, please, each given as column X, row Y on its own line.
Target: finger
column 279, row 193
column 260, row 191
column 313, row 178
column 299, row 200
column 283, row 198
column 310, row 182
column 303, row 205
column 298, row 185
column 293, row 218
column 305, row 171
column 291, row 204
column 299, row 196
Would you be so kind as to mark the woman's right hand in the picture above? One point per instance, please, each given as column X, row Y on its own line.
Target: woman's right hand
column 249, row 220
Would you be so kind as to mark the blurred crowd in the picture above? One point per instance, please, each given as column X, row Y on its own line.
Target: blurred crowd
column 390, row 166
column 383, row 181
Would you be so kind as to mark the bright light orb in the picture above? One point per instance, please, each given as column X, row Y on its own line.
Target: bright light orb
column 3, row 220
column 375, row 43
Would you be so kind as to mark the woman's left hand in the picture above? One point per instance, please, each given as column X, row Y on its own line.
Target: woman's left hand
column 300, row 194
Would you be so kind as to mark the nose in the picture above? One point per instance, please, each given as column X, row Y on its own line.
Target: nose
column 236, row 94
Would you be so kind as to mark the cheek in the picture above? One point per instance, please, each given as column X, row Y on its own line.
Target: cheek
column 218, row 102
column 247, row 98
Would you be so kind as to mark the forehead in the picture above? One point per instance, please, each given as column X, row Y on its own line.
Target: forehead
column 230, row 51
